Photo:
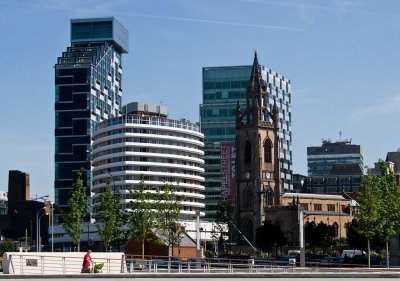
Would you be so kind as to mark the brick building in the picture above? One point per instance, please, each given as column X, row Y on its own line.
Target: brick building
column 330, row 209
column 185, row 249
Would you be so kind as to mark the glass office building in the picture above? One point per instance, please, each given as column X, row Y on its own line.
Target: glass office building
column 88, row 90
column 326, row 159
column 223, row 87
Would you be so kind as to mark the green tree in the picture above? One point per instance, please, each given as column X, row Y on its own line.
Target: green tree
column 170, row 207
column 319, row 235
column 270, row 235
column 108, row 216
column 142, row 215
column 72, row 221
column 368, row 211
column 223, row 221
column 6, row 246
column 356, row 240
column 389, row 222
column 326, row 235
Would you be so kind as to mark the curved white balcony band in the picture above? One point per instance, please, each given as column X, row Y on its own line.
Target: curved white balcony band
column 122, row 186
column 162, row 174
column 153, row 183
column 154, row 164
column 147, row 136
column 157, row 146
column 147, row 126
column 148, row 154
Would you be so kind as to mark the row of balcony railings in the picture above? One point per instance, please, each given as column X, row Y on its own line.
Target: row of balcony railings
column 20, row 263
column 156, row 121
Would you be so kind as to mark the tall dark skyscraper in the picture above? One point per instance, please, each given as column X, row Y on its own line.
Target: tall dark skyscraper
column 87, row 90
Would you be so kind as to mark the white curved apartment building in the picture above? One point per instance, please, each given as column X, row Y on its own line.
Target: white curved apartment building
column 145, row 142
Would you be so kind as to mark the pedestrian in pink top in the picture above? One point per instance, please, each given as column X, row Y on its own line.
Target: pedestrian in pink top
column 87, row 262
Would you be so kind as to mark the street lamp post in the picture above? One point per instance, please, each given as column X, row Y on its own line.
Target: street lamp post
column 205, row 239
column 44, row 197
column 198, row 252
column 301, row 236
column 40, row 237
column 37, row 228
column 52, row 225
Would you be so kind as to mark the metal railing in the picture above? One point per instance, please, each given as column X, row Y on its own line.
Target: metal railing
column 24, row 264
column 43, row 264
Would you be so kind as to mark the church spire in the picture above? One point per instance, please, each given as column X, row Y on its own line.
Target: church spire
column 255, row 71
column 256, row 95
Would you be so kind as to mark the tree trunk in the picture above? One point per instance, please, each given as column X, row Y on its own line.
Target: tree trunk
column 387, row 254
column 369, row 253
column 142, row 248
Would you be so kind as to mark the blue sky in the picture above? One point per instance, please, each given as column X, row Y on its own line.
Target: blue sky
column 342, row 58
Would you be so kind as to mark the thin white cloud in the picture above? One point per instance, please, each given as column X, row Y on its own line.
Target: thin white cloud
column 387, row 107
column 196, row 20
column 338, row 6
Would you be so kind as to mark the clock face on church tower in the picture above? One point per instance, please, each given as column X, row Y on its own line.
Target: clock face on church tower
column 247, row 175
column 267, row 175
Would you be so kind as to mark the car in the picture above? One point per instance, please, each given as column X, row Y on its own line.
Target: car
column 331, row 261
column 159, row 263
column 264, row 261
column 178, row 261
column 136, row 264
column 287, row 259
column 194, row 261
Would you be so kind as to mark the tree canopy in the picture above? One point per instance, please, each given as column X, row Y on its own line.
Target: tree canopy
column 319, row 235
column 72, row 221
column 170, row 206
column 378, row 211
column 270, row 235
column 108, row 216
column 152, row 209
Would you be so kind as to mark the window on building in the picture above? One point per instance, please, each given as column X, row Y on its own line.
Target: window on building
column 336, row 228
column 248, row 198
column 268, row 151
column 317, row 207
column 331, row 207
column 269, row 197
column 247, row 153
column 304, row 206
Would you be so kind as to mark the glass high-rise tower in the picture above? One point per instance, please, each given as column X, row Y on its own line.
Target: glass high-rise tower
column 88, row 90
column 223, row 88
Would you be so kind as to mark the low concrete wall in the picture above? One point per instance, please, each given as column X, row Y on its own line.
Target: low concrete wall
column 59, row 263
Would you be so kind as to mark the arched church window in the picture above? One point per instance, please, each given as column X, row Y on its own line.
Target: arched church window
column 268, row 151
column 248, row 228
column 335, row 229
column 248, row 198
column 269, row 197
column 247, row 153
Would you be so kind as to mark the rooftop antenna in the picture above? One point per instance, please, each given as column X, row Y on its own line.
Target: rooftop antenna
column 340, row 136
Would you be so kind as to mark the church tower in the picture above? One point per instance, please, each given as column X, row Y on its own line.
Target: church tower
column 258, row 167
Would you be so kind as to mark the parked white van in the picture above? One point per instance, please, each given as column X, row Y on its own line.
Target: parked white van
column 352, row 253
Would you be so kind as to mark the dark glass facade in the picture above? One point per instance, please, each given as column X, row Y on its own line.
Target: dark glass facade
column 87, row 90
column 323, row 159
column 223, row 88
